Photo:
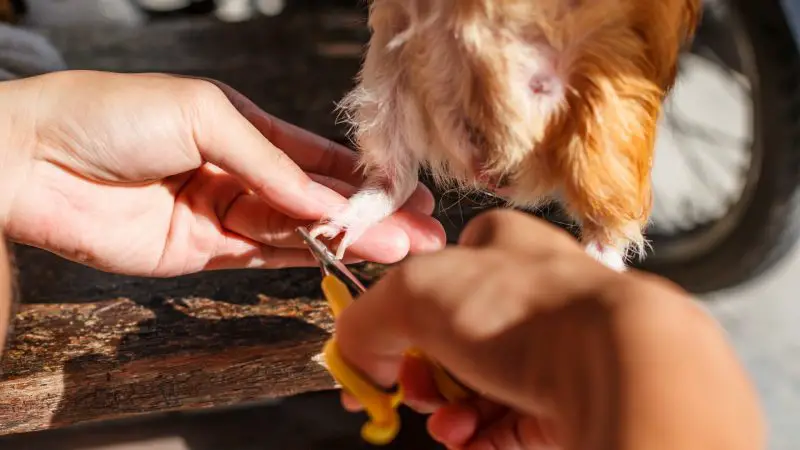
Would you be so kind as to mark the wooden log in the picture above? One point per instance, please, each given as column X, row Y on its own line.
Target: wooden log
column 90, row 346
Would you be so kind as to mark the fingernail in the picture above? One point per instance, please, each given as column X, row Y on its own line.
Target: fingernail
column 422, row 407
column 434, row 244
column 431, row 243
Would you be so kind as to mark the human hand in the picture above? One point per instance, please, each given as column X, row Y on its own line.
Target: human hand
column 158, row 175
column 562, row 351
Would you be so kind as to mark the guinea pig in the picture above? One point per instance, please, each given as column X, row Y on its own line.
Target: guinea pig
column 535, row 100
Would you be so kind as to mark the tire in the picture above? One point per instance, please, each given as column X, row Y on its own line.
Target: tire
column 763, row 226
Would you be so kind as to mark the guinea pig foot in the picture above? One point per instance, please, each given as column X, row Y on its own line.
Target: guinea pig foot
column 608, row 256
column 326, row 229
column 331, row 229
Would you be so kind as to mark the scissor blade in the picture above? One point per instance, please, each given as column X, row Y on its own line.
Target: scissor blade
column 328, row 261
column 318, row 249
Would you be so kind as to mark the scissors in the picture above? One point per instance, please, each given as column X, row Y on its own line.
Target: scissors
column 338, row 283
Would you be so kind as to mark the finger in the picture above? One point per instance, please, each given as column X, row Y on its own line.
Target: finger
column 457, row 424
column 212, row 193
column 516, row 231
column 422, row 234
column 502, row 434
column 236, row 252
column 313, row 153
column 386, row 243
column 226, row 139
column 513, row 431
column 373, row 333
column 407, row 231
column 428, row 295
column 487, row 316
column 454, row 425
column 488, row 411
column 310, row 151
column 420, row 392
column 350, row 403
column 418, row 201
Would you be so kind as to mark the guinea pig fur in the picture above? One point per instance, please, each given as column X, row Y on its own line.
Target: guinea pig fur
column 532, row 99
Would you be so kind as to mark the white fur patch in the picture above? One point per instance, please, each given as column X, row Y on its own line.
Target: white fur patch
column 609, row 256
column 364, row 210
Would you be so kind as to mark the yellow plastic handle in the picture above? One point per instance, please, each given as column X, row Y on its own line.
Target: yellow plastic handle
column 337, row 294
column 451, row 390
column 381, row 407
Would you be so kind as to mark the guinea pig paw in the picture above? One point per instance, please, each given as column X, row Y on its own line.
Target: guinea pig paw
column 608, row 256
column 327, row 229
column 351, row 234
column 352, row 230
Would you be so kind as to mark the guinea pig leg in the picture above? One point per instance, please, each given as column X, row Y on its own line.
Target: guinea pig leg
column 605, row 172
column 608, row 251
column 611, row 202
column 384, row 192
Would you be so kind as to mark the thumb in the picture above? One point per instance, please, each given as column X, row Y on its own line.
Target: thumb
column 228, row 140
column 510, row 326
column 403, row 309
column 463, row 307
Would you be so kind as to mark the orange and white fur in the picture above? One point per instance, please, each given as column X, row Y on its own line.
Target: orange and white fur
column 532, row 99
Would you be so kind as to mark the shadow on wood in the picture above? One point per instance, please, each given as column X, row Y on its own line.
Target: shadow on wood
column 88, row 345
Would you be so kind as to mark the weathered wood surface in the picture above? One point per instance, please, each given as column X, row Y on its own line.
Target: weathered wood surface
column 88, row 345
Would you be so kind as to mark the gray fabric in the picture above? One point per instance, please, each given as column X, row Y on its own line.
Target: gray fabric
column 24, row 53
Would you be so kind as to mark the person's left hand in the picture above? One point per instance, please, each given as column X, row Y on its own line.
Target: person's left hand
column 158, row 175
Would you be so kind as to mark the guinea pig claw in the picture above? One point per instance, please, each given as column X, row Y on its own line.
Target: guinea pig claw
column 330, row 231
column 327, row 229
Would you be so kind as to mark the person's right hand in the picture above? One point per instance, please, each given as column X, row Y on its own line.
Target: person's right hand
column 563, row 352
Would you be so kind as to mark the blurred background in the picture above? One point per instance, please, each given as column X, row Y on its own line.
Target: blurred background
column 726, row 175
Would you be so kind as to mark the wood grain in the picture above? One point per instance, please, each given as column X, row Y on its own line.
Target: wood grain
column 90, row 346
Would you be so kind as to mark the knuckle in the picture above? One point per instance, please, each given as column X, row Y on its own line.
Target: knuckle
column 202, row 92
column 328, row 159
column 558, row 268
column 484, row 227
column 411, row 274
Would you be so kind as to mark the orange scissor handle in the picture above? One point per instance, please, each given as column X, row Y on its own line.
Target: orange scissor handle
column 451, row 390
column 381, row 406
